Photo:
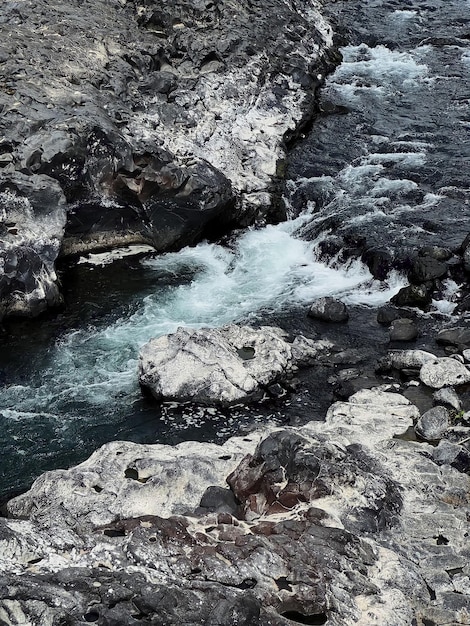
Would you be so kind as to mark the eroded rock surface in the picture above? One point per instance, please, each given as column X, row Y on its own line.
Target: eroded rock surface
column 158, row 124
column 224, row 365
column 338, row 523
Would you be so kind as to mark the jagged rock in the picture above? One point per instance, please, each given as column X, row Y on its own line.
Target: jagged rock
column 224, row 366
column 458, row 337
column 329, row 310
column 293, row 553
column 444, row 372
column 448, row 397
column 426, row 269
column 403, row 330
column 433, row 424
column 150, row 144
column 448, row 453
column 413, row 295
column 32, row 221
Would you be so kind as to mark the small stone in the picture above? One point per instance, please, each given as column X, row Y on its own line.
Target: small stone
column 444, row 372
column 329, row 310
column 433, row 424
column 403, row 330
column 448, row 397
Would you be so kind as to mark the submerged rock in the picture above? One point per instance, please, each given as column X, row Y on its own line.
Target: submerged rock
column 223, row 366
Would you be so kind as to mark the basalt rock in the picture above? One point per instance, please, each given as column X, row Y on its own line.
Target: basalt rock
column 329, row 310
column 291, row 551
column 222, row 366
column 159, row 125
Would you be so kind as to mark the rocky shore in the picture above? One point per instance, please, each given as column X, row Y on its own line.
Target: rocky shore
column 126, row 123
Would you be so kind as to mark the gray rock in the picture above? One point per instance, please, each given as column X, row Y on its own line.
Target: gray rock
column 388, row 314
column 444, row 372
column 220, row 366
column 448, row 397
column 403, row 330
column 425, row 269
column 458, row 336
column 433, row 424
column 408, row 359
column 329, row 310
column 448, row 453
column 413, row 295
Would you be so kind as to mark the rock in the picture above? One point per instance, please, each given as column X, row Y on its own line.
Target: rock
column 218, row 500
column 148, row 144
column 433, row 424
column 458, row 337
column 32, row 221
column 426, row 269
column 388, row 314
column 413, row 295
column 329, row 310
column 466, row 355
column 436, row 252
column 466, row 253
column 444, row 372
column 448, row 397
column 447, row 453
column 407, row 359
column 223, row 366
column 403, row 330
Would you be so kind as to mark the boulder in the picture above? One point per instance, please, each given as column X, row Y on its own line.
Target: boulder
column 447, row 396
column 413, row 295
column 329, row 310
column 444, row 372
column 388, row 314
column 458, row 336
column 433, row 424
column 426, row 269
column 409, row 359
column 221, row 366
column 403, row 330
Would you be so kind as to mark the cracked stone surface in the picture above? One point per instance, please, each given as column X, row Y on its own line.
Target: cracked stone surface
column 338, row 522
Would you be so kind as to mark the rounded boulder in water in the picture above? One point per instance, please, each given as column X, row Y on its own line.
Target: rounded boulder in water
column 329, row 310
column 403, row 329
column 433, row 424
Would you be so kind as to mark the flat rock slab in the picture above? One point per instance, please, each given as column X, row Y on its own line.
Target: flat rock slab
column 444, row 372
column 221, row 366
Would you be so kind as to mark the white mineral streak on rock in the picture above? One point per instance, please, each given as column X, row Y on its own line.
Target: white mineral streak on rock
column 444, row 372
column 415, row 551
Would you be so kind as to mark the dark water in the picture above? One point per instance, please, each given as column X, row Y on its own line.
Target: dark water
column 389, row 162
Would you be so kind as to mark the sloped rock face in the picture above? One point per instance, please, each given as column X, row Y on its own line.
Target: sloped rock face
column 160, row 124
column 337, row 523
column 224, row 365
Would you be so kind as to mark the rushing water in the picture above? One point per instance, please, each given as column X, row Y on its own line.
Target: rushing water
column 389, row 164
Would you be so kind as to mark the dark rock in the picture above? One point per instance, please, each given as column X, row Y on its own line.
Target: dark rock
column 433, row 424
column 379, row 261
column 329, row 310
column 219, row 500
column 388, row 314
column 447, row 396
column 425, row 269
column 413, row 295
column 458, row 337
column 447, row 453
column 403, row 330
column 436, row 252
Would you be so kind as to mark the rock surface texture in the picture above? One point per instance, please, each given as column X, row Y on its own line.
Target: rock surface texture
column 337, row 523
column 156, row 124
column 222, row 366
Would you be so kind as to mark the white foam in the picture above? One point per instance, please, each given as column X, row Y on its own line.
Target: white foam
column 106, row 258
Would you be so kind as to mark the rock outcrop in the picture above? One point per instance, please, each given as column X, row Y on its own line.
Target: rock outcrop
column 157, row 124
column 322, row 527
column 225, row 365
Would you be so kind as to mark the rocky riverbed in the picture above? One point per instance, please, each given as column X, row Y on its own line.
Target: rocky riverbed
column 343, row 498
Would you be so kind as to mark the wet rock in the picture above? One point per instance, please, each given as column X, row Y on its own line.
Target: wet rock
column 444, row 372
column 403, row 330
column 413, row 295
column 433, row 424
column 436, row 252
column 448, row 397
column 223, row 366
column 329, row 310
column 408, row 359
column 388, row 314
column 448, row 453
column 458, row 337
column 426, row 269
column 466, row 253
